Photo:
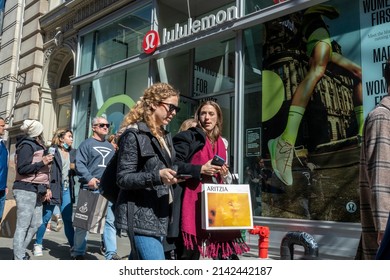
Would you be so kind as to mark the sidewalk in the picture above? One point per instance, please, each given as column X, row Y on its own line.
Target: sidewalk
column 55, row 248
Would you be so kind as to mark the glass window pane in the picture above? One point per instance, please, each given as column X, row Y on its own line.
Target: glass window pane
column 116, row 41
column 64, row 116
column 86, row 53
column 257, row 5
column 110, row 96
column 82, row 118
column 170, row 70
column 214, row 68
column 304, row 128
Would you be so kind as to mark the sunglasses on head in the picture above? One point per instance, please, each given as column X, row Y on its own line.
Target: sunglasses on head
column 101, row 125
column 171, row 107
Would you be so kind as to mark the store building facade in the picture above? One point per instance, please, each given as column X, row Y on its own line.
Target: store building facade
column 95, row 58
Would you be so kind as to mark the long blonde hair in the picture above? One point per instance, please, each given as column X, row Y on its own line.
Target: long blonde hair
column 142, row 110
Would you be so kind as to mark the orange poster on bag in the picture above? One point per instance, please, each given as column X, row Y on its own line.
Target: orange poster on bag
column 226, row 206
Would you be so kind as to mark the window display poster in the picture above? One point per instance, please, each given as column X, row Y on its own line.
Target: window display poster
column 253, row 145
column 375, row 45
column 312, row 115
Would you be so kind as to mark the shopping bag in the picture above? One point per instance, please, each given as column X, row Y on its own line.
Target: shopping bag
column 226, row 206
column 8, row 223
column 99, row 217
column 90, row 211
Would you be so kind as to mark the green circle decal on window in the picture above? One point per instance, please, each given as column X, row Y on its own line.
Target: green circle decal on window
column 273, row 94
column 115, row 117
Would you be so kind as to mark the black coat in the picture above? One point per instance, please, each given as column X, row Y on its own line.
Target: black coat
column 186, row 144
column 56, row 177
column 143, row 202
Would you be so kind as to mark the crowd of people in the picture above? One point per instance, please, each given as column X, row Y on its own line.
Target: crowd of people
column 159, row 211
column 155, row 208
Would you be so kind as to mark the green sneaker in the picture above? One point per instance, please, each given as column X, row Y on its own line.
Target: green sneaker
column 281, row 154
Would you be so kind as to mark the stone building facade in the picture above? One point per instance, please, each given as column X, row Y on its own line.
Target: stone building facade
column 37, row 60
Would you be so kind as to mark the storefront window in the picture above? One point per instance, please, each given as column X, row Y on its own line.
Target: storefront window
column 214, row 68
column 110, row 96
column 116, row 41
column 64, row 116
column 257, row 5
column 302, row 158
column 171, row 70
column 214, row 78
column 253, row 143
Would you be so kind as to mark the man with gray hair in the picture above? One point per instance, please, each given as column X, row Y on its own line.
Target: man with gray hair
column 92, row 157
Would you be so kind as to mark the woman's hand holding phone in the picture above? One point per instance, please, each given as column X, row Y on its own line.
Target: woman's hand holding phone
column 217, row 160
column 183, row 176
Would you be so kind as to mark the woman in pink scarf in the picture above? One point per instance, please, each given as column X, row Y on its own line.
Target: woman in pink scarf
column 195, row 149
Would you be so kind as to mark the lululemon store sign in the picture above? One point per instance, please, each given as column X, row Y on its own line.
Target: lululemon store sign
column 151, row 39
column 150, row 42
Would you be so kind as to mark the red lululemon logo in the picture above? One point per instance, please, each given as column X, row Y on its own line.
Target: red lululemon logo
column 150, row 42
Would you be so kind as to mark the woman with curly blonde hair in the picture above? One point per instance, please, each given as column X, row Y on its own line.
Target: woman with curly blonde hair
column 144, row 109
column 144, row 173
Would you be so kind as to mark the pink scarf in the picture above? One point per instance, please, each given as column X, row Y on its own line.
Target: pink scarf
column 193, row 235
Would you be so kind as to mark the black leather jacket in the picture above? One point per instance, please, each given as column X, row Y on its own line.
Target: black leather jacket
column 143, row 201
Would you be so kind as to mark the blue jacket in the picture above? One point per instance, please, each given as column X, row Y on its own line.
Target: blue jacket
column 3, row 165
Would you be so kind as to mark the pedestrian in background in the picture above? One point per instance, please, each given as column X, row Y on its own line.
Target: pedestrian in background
column 62, row 188
column 112, row 139
column 375, row 176
column 3, row 168
column 91, row 158
column 191, row 122
column 31, row 186
column 256, row 177
column 145, row 175
column 195, row 149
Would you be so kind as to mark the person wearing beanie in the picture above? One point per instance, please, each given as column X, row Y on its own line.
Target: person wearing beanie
column 31, row 186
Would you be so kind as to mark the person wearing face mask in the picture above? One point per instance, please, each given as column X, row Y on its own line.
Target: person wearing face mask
column 195, row 149
column 62, row 187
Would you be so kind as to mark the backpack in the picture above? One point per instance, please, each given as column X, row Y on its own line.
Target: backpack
column 108, row 187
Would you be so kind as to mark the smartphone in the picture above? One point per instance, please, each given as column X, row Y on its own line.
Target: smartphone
column 52, row 150
column 183, row 176
column 217, row 160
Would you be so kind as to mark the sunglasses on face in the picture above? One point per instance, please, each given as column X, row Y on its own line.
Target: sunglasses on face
column 171, row 107
column 101, row 125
